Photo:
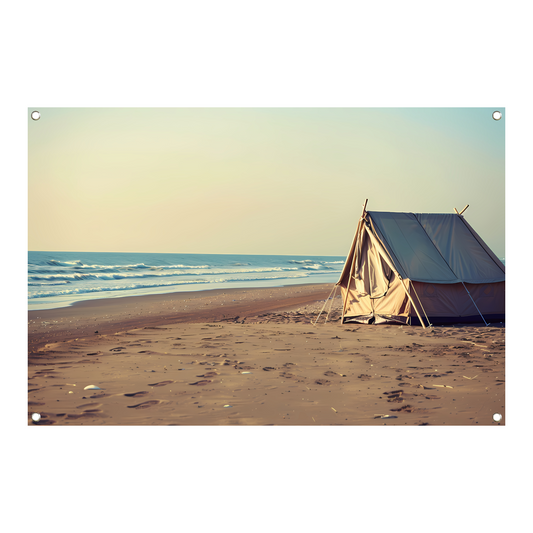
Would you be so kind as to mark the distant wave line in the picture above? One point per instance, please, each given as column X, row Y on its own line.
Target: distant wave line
column 116, row 276
column 79, row 265
column 150, row 286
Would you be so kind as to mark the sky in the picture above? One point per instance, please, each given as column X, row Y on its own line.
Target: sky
column 255, row 180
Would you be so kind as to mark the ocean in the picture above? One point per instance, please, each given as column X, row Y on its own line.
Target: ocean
column 59, row 279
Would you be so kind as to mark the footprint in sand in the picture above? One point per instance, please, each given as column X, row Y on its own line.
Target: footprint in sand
column 401, row 377
column 144, row 405
column 211, row 374
column 244, row 367
column 201, row 382
column 139, row 394
column 85, row 414
column 288, row 375
column 98, row 395
column 161, row 383
column 407, row 409
column 395, row 396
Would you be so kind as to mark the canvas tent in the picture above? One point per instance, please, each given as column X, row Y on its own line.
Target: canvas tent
column 420, row 269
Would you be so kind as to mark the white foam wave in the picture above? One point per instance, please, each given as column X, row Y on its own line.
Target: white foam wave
column 79, row 265
column 88, row 290
column 55, row 262
column 125, row 275
column 48, row 284
column 112, row 267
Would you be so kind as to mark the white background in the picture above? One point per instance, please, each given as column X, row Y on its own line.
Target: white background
column 291, row 53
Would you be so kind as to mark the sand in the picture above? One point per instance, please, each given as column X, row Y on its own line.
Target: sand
column 254, row 357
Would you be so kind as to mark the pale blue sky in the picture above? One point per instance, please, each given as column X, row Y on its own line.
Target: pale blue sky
column 255, row 180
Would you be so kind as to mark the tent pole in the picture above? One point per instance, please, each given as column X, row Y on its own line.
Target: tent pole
column 464, row 209
column 413, row 304
column 399, row 277
column 475, row 304
column 418, row 298
column 352, row 266
column 349, row 280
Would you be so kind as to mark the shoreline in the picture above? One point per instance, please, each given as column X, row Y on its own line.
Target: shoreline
column 110, row 315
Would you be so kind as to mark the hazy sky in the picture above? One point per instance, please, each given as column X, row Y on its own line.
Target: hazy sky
column 255, row 180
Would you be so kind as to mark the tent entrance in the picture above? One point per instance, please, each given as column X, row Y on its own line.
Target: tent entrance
column 372, row 289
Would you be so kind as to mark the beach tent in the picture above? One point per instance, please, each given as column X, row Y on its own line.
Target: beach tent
column 420, row 269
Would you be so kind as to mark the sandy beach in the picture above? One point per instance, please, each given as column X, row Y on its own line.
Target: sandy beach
column 254, row 357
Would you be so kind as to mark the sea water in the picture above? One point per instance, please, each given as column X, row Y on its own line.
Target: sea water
column 59, row 279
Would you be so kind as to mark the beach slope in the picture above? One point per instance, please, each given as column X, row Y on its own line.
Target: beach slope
column 254, row 357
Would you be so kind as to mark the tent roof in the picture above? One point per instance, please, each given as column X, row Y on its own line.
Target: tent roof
column 436, row 248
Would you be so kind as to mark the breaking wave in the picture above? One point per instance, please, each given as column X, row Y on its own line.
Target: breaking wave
column 88, row 290
column 68, row 275
column 154, row 274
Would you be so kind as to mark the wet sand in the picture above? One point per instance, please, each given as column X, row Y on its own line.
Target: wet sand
column 254, row 357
